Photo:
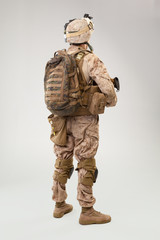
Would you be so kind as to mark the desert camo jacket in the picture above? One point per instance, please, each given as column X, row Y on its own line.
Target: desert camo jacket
column 94, row 69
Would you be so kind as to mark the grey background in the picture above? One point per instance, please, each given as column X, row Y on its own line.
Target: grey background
column 126, row 39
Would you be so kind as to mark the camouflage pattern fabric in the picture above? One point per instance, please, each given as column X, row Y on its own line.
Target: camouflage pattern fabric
column 94, row 69
column 83, row 140
column 83, row 131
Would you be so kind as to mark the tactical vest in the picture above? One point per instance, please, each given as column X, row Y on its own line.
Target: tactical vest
column 93, row 101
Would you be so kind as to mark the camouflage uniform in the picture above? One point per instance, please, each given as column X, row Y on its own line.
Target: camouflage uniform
column 83, row 131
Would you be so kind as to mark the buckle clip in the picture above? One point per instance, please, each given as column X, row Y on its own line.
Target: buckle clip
column 90, row 26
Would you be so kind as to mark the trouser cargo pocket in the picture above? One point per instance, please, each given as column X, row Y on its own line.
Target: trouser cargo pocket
column 58, row 129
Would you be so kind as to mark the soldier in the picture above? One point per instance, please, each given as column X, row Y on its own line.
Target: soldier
column 82, row 131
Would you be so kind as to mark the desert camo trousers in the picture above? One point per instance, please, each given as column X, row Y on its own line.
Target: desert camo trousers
column 82, row 143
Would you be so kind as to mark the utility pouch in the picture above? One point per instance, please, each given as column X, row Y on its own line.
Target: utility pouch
column 98, row 103
column 59, row 130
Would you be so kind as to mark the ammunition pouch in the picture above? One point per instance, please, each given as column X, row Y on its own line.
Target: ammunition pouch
column 58, row 131
column 98, row 103
column 66, row 169
column 93, row 102
column 96, row 100
column 92, row 172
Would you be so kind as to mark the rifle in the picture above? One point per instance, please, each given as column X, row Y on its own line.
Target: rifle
column 116, row 83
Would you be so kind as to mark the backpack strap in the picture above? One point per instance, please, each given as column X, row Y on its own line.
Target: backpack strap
column 79, row 56
column 60, row 52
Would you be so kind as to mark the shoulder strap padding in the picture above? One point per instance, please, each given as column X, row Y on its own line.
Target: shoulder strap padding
column 79, row 56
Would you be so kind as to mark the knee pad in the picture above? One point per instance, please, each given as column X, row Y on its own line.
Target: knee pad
column 92, row 172
column 66, row 169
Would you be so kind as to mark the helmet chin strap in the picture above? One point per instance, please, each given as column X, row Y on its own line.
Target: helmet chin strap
column 77, row 44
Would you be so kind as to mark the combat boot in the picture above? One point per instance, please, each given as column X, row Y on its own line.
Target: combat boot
column 61, row 208
column 91, row 216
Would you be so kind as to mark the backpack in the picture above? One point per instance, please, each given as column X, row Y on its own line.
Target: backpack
column 61, row 83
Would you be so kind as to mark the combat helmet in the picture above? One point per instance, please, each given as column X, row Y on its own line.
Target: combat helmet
column 78, row 31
